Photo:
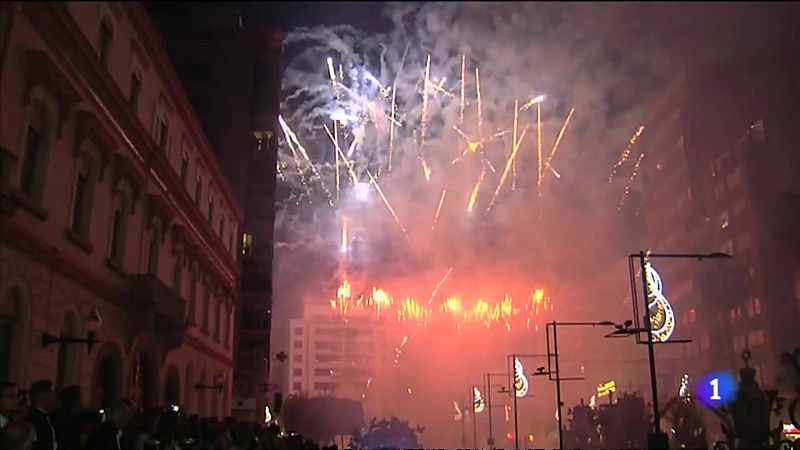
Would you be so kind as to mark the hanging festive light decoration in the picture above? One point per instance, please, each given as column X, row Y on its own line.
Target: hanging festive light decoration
column 662, row 317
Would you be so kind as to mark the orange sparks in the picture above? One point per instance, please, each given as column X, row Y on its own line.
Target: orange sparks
column 475, row 190
column 345, row 240
column 627, row 189
column 425, row 169
column 439, row 208
column 625, row 153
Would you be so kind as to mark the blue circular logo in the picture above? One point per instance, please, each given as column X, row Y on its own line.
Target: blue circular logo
column 716, row 389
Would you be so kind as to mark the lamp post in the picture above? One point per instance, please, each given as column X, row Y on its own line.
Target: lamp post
column 487, row 382
column 512, row 373
column 657, row 439
column 93, row 323
column 553, row 372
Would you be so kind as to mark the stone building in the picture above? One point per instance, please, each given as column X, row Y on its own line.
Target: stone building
column 118, row 224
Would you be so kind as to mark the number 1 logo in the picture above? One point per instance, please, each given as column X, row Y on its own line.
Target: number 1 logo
column 714, row 389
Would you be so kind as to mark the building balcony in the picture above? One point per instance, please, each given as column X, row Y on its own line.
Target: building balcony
column 154, row 307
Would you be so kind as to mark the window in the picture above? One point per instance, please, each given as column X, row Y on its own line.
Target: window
column 755, row 338
column 121, row 209
column 210, row 207
column 298, row 344
column 162, row 136
column 221, row 226
column 217, row 319
column 738, row 206
column 297, row 358
column 297, row 386
column 323, row 372
column 177, row 268
column 206, row 308
column 692, row 316
column 198, row 190
column 797, row 284
column 184, row 168
column 104, row 42
column 734, row 178
column 154, row 246
column 136, row 89
column 298, row 331
column 724, row 220
column 297, row 372
column 80, row 200
column 195, row 277
column 756, row 131
column 32, row 172
column 247, row 243
column 704, row 343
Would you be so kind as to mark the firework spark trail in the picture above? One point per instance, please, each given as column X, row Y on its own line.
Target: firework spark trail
column 558, row 141
column 439, row 88
column 475, row 190
column 625, row 153
column 388, row 206
column 480, row 111
column 296, row 158
column 531, row 102
column 425, row 92
column 426, row 170
column 439, row 208
column 345, row 241
column 507, row 168
column 539, row 146
column 303, row 151
column 463, row 83
column 341, row 155
column 335, row 146
column 332, row 75
column 439, row 285
column 627, row 189
column 514, row 140
column 391, row 125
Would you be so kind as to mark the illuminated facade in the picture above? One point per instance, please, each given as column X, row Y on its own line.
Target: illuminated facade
column 114, row 203
column 329, row 355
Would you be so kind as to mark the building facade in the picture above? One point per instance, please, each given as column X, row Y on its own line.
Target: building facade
column 232, row 73
column 719, row 176
column 118, row 222
column 337, row 356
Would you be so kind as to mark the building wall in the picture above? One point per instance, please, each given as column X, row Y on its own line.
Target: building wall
column 136, row 163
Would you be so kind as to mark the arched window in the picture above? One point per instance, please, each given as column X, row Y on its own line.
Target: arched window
column 123, row 196
column 222, row 226
column 198, row 188
column 156, row 235
column 135, row 91
column 217, row 317
column 105, row 40
column 206, row 307
column 83, row 191
column 210, row 206
column 184, row 168
column 162, row 135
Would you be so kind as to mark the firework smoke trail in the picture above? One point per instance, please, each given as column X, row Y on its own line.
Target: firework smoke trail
column 463, row 85
column 508, row 167
column 475, row 190
column 625, row 153
column 388, row 206
column 558, row 141
column 627, row 189
column 439, row 208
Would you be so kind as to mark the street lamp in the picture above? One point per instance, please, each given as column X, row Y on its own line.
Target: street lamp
column 487, row 383
column 93, row 323
column 515, row 369
column 658, row 439
column 554, row 371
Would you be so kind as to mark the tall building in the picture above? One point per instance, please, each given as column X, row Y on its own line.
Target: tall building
column 337, row 356
column 719, row 176
column 231, row 69
column 119, row 227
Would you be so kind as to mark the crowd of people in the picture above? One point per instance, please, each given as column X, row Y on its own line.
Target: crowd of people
column 41, row 420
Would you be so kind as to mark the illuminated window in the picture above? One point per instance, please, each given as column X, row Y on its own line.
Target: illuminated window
column 297, row 372
column 704, row 343
column 724, row 220
column 757, row 305
column 247, row 243
column 297, row 386
column 692, row 315
column 298, row 344
column 323, row 372
column 755, row 338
